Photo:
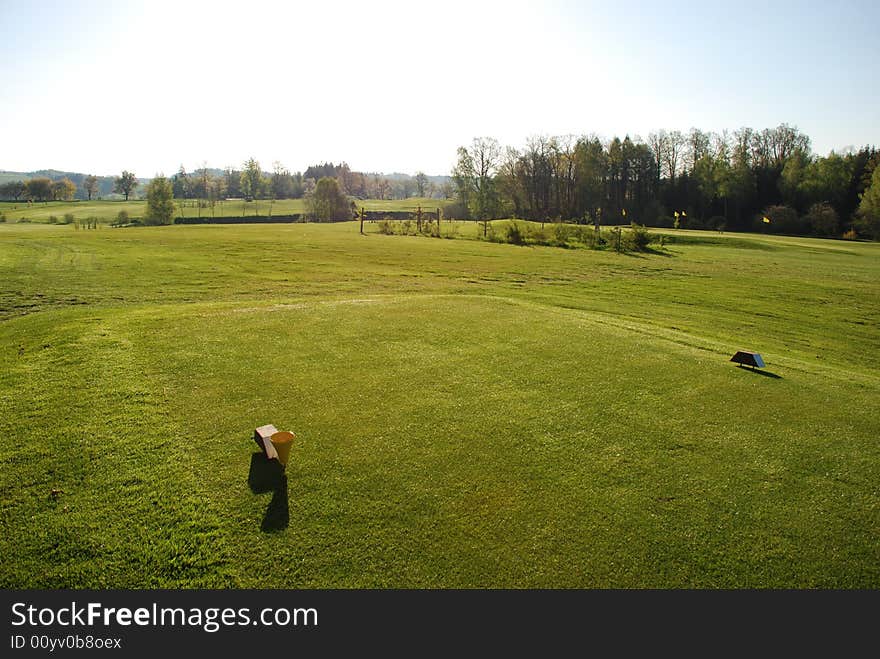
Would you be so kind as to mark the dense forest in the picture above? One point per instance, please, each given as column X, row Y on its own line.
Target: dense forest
column 745, row 180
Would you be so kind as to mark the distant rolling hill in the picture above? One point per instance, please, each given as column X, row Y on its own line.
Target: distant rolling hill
column 105, row 183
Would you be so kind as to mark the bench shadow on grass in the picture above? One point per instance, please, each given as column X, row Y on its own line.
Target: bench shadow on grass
column 267, row 476
column 766, row 374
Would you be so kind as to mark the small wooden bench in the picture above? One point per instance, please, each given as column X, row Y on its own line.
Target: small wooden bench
column 746, row 358
column 263, row 438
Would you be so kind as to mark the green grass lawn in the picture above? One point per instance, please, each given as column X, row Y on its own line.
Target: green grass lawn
column 468, row 414
column 106, row 211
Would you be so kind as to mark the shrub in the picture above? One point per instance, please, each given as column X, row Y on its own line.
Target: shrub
column 695, row 222
column 850, row 235
column 610, row 238
column 717, row 222
column 492, row 235
column 591, row 238
column 654, row 213
column 53, row 219
column 783, row 219
column 561, row 234
column 515, row 235
column 121, row 219
column 585, row 235
column 430, row 228
column 638, row 237
column 452, row 231
column 823, row 219
column 538, row 236
column 160, row 202
column 68, row 218
column 328, row 203
column 2, row 217
column 385, row 227
column 456, row 211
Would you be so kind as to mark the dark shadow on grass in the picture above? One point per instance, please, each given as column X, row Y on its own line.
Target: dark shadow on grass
column 766, row 374
column 267, row 476
column 277, row 516
column 659, row 252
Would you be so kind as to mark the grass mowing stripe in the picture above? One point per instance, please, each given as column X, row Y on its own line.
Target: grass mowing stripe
column 689, row 342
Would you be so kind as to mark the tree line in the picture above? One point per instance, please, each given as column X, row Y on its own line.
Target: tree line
column 39, row 189
column 248, row 182
column 745, row 180
column 251, row 182
column 43, row 188
column 50, row 185
column 325, row 203
column 765, row 180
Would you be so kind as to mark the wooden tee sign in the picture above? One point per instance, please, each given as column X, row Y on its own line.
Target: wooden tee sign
column 263, row 438
column 753, row 359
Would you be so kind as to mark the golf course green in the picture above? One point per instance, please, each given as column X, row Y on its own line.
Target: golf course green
column 467, row 414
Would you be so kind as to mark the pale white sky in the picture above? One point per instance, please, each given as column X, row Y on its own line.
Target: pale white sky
column 398, row 85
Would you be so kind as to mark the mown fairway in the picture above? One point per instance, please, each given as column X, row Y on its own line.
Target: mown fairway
column 468, row 414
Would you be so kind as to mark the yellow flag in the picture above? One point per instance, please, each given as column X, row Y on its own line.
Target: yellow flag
column 623, row 212
column 766, row 220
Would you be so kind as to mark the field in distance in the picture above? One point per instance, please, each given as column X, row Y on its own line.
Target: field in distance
column 468, row 414
column 106, row 211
